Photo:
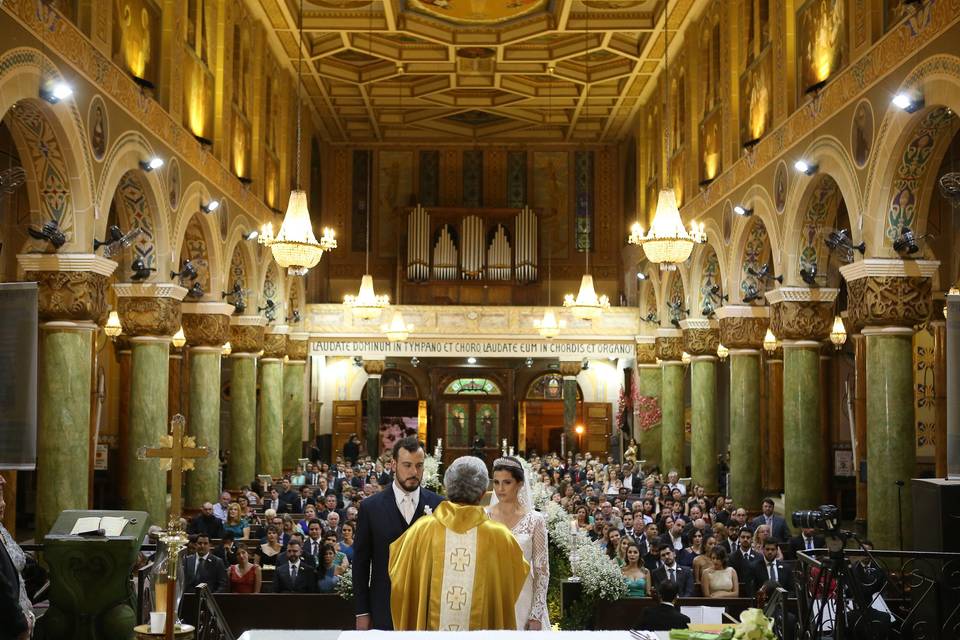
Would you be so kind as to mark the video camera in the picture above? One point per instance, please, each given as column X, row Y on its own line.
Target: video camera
column 826, row 517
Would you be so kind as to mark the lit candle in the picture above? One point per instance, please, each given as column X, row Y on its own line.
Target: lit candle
column 503, row 447
column 160, row 595
column 573, row 526
column 511, row 450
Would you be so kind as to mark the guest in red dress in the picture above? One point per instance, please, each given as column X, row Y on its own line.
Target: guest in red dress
column 245, row 577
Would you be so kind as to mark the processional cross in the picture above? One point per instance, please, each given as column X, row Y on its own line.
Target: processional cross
column 177, row 453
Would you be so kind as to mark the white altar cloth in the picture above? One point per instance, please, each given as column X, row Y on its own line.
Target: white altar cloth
column 267, row 634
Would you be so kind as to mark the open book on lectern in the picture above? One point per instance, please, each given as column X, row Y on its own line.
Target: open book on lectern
column 111, row 526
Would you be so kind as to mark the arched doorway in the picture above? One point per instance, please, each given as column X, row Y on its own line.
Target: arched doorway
column 472, row 405
column 541, row 413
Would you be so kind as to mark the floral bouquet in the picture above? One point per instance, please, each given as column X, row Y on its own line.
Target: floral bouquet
column 344, row 586
column 431, row 474
column 754, row 626
column 647, row 412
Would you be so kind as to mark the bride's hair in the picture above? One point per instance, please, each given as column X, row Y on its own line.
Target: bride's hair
column 511, row 465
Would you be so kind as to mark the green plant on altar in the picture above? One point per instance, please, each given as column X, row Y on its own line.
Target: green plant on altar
column 431, row 474
column 344, row 586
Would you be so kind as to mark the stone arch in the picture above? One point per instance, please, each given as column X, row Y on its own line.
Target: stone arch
column 674, row 298
column 196, row 246
column 894, row 177
column 297, row 298
column 706, row 274
column 122, row 170
column 755, row 249
column 52, row 146
column 191, row 214
column 813, row 202
column 756, row 198
column 132, row 208
column 272, row 289
column 650, row 294
column 239, row 259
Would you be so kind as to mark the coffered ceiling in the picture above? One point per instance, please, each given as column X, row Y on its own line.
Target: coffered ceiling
column 548, row 71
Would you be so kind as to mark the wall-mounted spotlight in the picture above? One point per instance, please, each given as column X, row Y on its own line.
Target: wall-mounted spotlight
column 651, row 318
column 815, row 87
column 196, row 291
column 245, row 181
column 269, row 310
column 251, row 235
column 805, row 167
column 907, row 242
column 56, row 91
column 528, row 362
column 116, row 240
column 707, row 182
column 909, row 102
column 294, row 317
column 50, row 232
column 414, row 362
column 143, row 83
column 358, row 361
column 206, row 143
column 585, row 364
column 809, row 275
column 742, row 211
column 139, row 270
column 211, row 206
column 187, row 272
column 151, row 164
column 750, row 144
column 752, row 294
column 471, row 360
column 763, row 273
column 642, row 276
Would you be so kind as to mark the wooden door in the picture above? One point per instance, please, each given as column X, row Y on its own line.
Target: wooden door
column 522, row 428
column 598, row 424
column 347, row 421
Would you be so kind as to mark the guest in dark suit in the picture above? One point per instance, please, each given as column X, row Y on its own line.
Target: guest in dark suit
column 272, row 501
column 808, row 540
column 227, row 551
column 288, row 497
column 742, row 559
column 778, row 526
column 383, row 518
column 665, row 615
column 670, row 571
column 204, row 567
column 206, row 522
column 305, row 498
column 768, row 568
column 296, row 575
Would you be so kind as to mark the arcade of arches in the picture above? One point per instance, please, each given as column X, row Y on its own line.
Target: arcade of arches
column 472, row 180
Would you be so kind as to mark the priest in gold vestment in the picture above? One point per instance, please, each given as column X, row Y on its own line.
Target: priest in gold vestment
column 457, row 570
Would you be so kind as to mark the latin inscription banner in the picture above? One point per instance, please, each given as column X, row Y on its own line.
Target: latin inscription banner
column 427, row 347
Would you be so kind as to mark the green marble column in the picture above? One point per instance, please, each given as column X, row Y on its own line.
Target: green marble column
column 149, row 377
column 294, row 373
column 203, row 483
column 570, row 411
column 373, row 415
column 270, row 433
column 745, row 427
column 703, row 419
column 891, row 436
column 672, row 426
column 63, row 429
column 649, row 381
column 802, row 443
column 241, row 468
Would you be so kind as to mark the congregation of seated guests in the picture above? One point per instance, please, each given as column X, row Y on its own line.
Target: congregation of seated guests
column 297, row 534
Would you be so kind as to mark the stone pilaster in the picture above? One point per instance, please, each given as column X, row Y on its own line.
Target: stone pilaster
column 246, row 342
column 801, row 317
column 741, row 330
column 150, row 314
column 887, row 297
column 207, row 327
column 270, row 433
column 669, row 347
column 294, row 395
column 72, row 302
column 374, row 369
column 701, row 338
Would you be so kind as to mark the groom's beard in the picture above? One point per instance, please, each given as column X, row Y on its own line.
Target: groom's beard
column 409, row 484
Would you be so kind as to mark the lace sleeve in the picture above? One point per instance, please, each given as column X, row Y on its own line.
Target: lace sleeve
column 540, row 566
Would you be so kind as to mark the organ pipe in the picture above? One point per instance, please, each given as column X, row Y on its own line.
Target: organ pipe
column 418, row 245
column 472, row 248
column 498, row 255
column 526, row 245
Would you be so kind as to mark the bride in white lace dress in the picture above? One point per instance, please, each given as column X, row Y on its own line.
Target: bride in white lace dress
column 512, row 505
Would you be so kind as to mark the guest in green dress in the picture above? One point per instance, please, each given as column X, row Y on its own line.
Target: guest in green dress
column 238, row 525
column 635, row 575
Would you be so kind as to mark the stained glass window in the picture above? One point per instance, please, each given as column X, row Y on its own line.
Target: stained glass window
column 472, row 386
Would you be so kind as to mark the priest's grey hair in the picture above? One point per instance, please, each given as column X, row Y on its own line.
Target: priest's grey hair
column 466, row 480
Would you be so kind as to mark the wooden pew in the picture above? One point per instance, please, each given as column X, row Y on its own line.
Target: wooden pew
column 245, row 611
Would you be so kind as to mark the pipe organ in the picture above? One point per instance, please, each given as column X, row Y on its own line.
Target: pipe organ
column 472, row 245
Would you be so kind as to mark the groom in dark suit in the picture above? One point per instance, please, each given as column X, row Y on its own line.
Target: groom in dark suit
column 382, row 519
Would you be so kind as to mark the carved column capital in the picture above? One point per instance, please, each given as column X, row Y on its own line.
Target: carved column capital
column 374, row 367
column 70, row 286
column 701, row 336
column 275, row 342
column 669, row 344
column 247, row 333
column 801, row 313
column 298, row 346
column 646, row 351
column 570, row 368
column 149, row 309
column 743, row 327
column 889, row 292
column 206, row 324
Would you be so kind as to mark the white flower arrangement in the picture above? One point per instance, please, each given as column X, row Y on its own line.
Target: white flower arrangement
column 754, row 626
column 431, row 476
column 344, row 586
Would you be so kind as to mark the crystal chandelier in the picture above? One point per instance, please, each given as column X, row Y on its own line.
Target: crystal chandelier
column 838, row 334
column 667, row 243
column 548, row 326
column 770, row 342
column 366, row 305
column 398, row 330
column 587, row 305
column 722, row 352
column 295, row 247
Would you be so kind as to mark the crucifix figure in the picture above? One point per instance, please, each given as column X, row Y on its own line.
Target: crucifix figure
column 177, row 453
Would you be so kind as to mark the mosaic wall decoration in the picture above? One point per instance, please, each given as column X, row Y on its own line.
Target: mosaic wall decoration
column 821, row 210
column 924, row 396
column 710, row 278
column 472, row 178
column 238, row 269
column 133, row 210
column 913, row 168
column 136, row 37
column 821, row 41
column 583, row 189
column 98, row 126
column 271, row 288
column 173, row 183
column 394, row 190
column 49, row 165
column 861, row 133
column 780, row 183
column 676, row 298
column 756, row 107
column 756, row 253
column 429, row 178
column 361, row 189
column 516, row 179
column 550, row 178
column 195, row 249
column 293, row 301
column 650, row 300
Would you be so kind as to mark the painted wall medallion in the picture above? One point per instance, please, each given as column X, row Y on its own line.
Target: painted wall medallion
column 173, row 183
column 861, row 133
column 98, row 127
column 780, row 185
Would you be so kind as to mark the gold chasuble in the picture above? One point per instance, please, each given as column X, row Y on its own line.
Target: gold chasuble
column 456, row 570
